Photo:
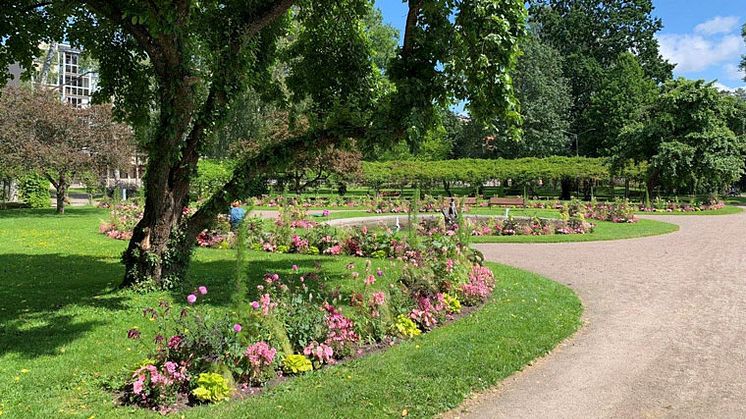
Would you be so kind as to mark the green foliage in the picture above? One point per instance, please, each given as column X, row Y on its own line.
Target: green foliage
column 544, row 95
column 685, row 138
column 296, row 364
column 476, row 172
column 591, row 34
column 34, row 190
column 622, row 96
column 212, row 387
column 212, row 175
column 406, row 327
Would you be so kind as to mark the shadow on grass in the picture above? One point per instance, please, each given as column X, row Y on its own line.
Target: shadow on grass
column 36, row 287
column 70, row 212
column 220, row 275
column 51, row 300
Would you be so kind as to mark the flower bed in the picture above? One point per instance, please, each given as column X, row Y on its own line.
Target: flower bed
column 660, row 205
column 500, row 226
column 296, row 323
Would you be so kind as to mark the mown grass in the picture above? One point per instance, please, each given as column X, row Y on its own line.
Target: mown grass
column 63, row 329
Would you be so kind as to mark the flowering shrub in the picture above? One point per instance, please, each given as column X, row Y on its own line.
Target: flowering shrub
column 480, row 285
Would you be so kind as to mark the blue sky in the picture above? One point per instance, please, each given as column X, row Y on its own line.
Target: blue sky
column 703, row 37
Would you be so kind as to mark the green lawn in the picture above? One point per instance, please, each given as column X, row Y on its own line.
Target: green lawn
column 63, row 330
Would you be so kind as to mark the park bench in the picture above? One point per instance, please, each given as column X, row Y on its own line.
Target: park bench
column 515, row 201
column 390, row 194
column 470, row 201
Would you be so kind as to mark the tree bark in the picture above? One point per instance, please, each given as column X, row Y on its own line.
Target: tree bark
column 61, row 192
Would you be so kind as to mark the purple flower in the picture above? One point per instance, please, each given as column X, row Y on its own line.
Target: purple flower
column 202, row 290
column 255, row 305
column 133, row 334
column 191, row 298
column 379, row 272
column 237, row 328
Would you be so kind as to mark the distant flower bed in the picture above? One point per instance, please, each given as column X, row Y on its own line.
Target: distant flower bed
column 527, row 227
column 668, row 206
column 296, row 323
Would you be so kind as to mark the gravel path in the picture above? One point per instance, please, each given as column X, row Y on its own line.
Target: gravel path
column 664, row 333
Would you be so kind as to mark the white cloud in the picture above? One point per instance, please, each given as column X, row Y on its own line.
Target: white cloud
column 718, row 24
column 695, row 53
column 726, row 88
column 733, row 72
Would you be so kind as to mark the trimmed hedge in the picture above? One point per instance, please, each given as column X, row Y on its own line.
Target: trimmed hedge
column 477, row 172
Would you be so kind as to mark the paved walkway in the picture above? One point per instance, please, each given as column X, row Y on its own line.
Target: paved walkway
column 664, row 333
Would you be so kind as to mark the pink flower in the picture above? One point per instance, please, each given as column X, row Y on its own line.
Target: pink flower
column 174, row 342
column 322, row 352
column 378, row 298
column 295, row 268
column 191, row 298
column 137, row 386
column 202, row 290
column 370, row 280
column 260, row 355
column 255, row 305
column 237, row 328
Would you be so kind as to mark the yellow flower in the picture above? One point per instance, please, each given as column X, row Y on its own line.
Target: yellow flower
column 17, row 378
column 24, row 371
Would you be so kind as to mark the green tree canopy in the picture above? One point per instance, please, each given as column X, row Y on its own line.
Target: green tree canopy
column 685, row 138
column 591, row 34
column 620, row 98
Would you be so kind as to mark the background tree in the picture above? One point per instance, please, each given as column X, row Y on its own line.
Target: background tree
column 591, row 34
column 620, row 98
column 544, row 95
column 39, row 132
column 685, row 139
column 178, row 66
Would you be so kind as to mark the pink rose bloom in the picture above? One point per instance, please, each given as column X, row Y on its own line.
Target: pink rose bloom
column 370, row 280
column 295, row 268
column 191, row 298
column 255, row 305
column 202, row 290
column 237, row 328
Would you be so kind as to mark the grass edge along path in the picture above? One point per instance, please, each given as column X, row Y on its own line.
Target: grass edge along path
column 526, row 318
column 604, row 231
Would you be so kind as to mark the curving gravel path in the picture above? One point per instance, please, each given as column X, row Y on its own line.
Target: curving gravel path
column 664, row 333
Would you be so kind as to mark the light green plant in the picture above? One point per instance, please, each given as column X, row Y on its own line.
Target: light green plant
column 406, row 327
column 296, row 364
column 453, row 305
column 212, row 387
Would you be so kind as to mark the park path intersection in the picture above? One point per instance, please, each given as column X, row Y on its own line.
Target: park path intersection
column 664, row 330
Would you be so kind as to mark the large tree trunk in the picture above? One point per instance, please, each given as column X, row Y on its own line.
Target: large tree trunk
column 149, row 259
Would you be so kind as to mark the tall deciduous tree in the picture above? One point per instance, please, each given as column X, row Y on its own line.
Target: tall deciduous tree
column 620, row 98
column 685, row 139
column 544, row 95
column 189, row 60
column 591, row 34
column 41, row 133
